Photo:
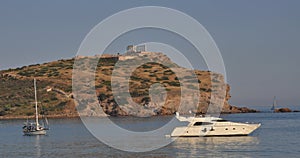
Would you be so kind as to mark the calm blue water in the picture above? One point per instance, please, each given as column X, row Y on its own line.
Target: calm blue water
column 278, row 136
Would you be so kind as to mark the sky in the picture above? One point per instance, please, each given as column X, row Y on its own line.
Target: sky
column 258, row 40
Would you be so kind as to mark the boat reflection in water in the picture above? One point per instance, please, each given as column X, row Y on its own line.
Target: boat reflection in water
column 215, row 146
column 38, row 146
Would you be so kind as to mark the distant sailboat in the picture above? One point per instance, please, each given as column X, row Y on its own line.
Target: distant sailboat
column 34, row 128
column 274, row 104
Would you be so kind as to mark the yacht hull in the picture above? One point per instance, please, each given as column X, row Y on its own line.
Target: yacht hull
column 235, row 129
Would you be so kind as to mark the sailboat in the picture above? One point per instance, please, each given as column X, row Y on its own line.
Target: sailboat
column 274, row 104
column 35, row 128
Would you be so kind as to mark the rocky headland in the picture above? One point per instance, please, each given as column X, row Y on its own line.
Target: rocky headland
column 155, row 88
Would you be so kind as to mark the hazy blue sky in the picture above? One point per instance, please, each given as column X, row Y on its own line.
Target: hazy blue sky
column 259, row 40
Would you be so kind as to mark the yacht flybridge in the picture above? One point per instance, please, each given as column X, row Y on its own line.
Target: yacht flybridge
column 211, row 126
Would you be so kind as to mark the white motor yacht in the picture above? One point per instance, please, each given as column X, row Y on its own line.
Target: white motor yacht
column 211, row 126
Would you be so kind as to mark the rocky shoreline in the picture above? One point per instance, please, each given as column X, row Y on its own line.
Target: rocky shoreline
column 234, row 110
column 284, row 110
column 67, row 116
column 32, row 117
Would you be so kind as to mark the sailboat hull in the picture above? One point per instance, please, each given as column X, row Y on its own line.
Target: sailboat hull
column 31, row 133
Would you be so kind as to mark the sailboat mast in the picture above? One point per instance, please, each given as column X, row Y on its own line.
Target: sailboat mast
column 274, row 103
column 36, row 110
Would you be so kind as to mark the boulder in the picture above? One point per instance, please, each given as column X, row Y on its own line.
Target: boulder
column 283, row 110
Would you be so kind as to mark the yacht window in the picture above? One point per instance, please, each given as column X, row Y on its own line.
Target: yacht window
column 221, row 120
column 202, row 123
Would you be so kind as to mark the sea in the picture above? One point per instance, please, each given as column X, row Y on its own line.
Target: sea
column 278, row 136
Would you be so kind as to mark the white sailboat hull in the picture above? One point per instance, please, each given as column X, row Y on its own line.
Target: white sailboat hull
column 31, row 133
